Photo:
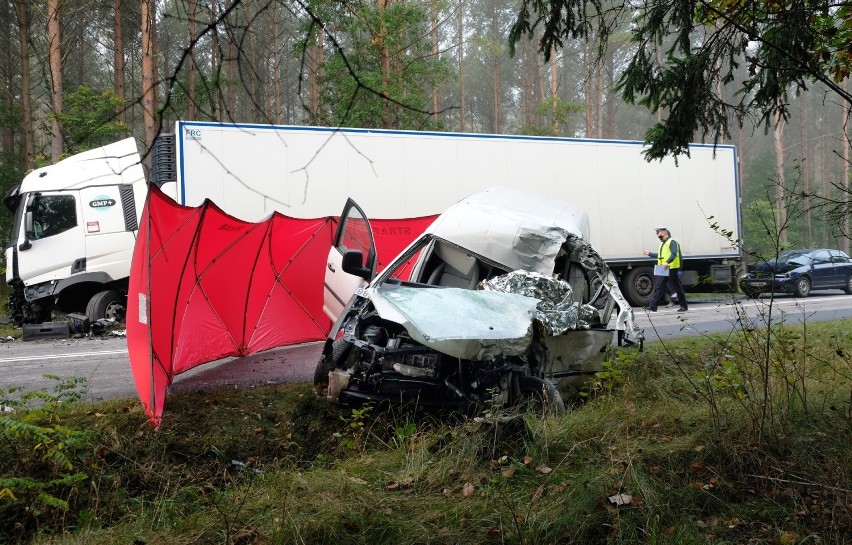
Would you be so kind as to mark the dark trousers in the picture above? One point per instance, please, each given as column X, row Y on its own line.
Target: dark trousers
column 665, row 284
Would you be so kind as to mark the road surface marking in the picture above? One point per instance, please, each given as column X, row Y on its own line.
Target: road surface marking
column 57, row 356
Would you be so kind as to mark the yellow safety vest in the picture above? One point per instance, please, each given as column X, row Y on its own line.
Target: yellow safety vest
column 665, row 252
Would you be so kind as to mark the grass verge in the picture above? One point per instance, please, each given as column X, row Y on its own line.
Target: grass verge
column 735, row 439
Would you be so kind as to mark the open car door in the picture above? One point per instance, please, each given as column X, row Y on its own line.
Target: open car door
column 354, row 239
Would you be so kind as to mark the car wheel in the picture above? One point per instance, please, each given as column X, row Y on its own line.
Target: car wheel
column 540, row 396
column 848, row 288
column 638, row 286
column 106, row 304
column 803, row 287
column 329, row 362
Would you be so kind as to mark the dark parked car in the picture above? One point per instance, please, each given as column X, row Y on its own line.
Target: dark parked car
column 798, row 272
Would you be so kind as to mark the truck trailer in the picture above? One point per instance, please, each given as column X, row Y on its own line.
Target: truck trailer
column 91, row 203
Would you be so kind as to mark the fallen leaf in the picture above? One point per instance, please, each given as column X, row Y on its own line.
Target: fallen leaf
column 631, row 407
column 468, row 490
column 560, row 488
column 543, row 469
column 655, row 470
column 527, row 460
column 698, row 448
column 508, row 472
column 393, row 485
column 357, row 480
column 621, row 499
column 787, row 538
column 537, row 494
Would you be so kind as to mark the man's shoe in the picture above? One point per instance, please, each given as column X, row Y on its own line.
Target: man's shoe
column 650, row 309
column 682, row 309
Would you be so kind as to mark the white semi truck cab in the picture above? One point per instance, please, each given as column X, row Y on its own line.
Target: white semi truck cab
column 75, row 224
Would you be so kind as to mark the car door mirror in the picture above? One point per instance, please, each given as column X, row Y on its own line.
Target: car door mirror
column 353, row 263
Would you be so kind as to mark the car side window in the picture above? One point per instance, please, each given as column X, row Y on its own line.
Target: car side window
column 355, row 234
column 52, row 215
column 839, row 257
column 821, row 257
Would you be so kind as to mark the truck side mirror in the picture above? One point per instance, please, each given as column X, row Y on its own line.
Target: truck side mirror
column 352, row 264
column 28, row 228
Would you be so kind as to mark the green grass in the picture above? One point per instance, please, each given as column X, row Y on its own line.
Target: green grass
column 741, row 439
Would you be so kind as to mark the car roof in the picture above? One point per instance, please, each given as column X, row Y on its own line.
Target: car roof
column 520, row 229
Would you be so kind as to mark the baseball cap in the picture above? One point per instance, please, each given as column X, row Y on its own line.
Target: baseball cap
column 658, row 229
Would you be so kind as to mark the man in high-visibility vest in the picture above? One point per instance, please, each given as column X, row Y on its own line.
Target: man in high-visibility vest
column 668, row 260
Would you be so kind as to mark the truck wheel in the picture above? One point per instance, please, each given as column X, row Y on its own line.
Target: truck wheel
column 638, row 286
column 803, row 287
column 329, row 362
column 106, row 304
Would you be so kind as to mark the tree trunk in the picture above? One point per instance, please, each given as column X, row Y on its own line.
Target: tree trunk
column 539, row 78
column 497, row 74
column 844, row 197
column 54, row 53
column 276, row 65
column 826, row 188
column 22, row 12
column 253, row 75
column 313, row 76
column 192, row 8
column 230, row 111
column 216, row 99
column 155, row 48
column 806, row 170
column 528, row 85
column 384, row 54
column 436, row 106
column 554, row 89
column 148, row 102
column 609, row 100
column 599, row 98
column 461, row 66
column 741, row 180
column 588, row 91
column 7, row 134
column 780, row 184
column 118, row 60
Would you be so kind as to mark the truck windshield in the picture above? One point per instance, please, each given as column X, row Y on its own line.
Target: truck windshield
column 53, row 214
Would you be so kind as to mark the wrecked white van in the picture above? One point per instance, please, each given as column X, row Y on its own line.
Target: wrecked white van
column 500, row 300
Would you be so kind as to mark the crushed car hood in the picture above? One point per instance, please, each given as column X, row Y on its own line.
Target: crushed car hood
column 495, row 321
column 480, row 326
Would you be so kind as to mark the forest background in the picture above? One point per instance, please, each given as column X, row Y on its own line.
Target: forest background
column 80, row 74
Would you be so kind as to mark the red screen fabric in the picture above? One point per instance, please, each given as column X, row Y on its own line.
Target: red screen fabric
column 205, row 286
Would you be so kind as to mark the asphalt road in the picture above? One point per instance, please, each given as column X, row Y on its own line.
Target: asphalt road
column 105, row 364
